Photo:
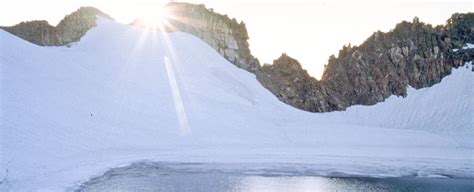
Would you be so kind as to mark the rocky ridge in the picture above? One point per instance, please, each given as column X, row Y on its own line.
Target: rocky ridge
column 68, row 30
column 225, row 35
column 413, row 53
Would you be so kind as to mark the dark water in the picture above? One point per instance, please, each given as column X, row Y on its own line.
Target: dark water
column 155, row 177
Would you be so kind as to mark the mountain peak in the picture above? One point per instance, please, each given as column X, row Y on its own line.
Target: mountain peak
column 70, row 29
column 412, row 54
column 285, row 59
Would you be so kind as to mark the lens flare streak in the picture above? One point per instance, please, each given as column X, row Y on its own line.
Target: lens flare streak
column 178, row 102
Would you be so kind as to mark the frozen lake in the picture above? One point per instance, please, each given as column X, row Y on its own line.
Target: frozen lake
column 208, row 177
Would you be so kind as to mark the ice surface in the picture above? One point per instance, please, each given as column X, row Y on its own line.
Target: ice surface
column 468, row 46
column 146, row 176
column 125, row 94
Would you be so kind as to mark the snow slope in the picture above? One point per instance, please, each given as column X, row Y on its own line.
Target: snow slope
column 125, row 94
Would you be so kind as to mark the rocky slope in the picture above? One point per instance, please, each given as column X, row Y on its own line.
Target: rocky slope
column 413, row 53
column 68, row 30
column 225, row 35
column 287, row 80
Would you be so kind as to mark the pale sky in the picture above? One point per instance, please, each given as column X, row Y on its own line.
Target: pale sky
column 309, row 31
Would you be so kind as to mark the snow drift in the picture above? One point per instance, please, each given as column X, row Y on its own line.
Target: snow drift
column 125, row 94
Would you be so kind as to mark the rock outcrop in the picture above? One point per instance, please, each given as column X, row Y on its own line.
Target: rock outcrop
column 68, row 30
column 413, row 53
column 225, row 35
column 287, row 80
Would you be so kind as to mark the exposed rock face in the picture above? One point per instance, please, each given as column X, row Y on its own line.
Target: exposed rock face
column 69, row 30
column 412, row 54
column 293, row 85
column 225, row 35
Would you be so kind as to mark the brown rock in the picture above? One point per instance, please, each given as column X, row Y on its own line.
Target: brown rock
column 225, row 35
column 412, row 54
column 69, row 30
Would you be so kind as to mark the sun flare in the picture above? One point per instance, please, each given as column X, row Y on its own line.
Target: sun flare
column 153, row 17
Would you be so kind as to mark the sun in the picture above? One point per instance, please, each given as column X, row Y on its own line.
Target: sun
column 153, row 17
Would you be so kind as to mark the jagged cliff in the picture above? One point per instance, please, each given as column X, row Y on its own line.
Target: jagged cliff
column 413, row 53
column 68, row 30
column 225, row 35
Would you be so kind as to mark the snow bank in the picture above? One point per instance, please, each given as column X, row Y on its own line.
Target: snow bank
column 125, row 94
column 468, row 46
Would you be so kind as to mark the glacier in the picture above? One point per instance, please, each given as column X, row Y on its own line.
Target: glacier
column 124, row 94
